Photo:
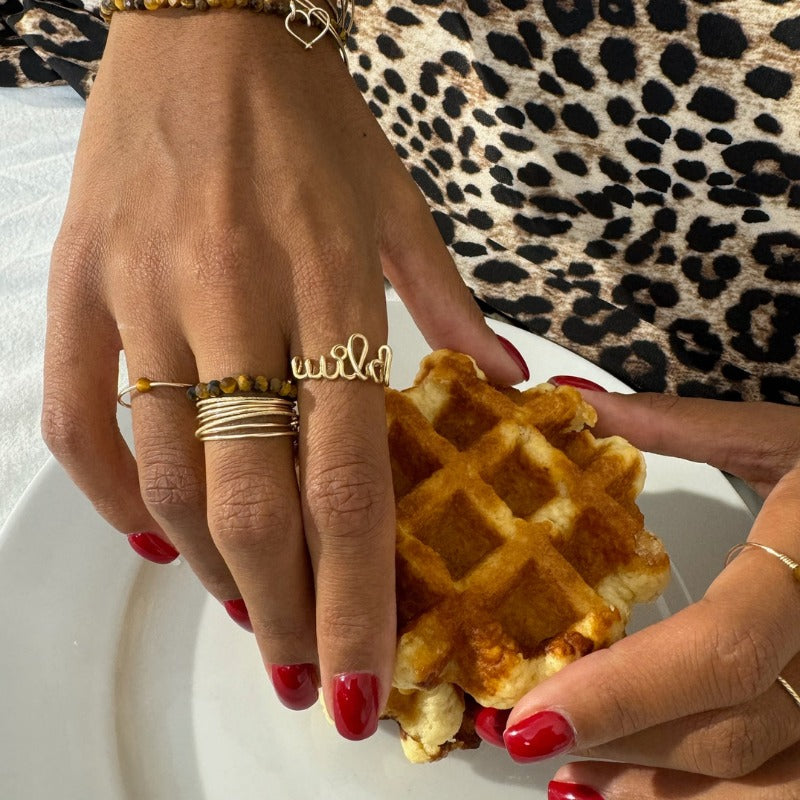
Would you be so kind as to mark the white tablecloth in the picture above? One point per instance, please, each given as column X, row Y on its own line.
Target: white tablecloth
column 38, row 134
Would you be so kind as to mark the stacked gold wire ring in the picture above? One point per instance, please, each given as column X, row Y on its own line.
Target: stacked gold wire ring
column 236, row 417
column 794, row 567
column 348, row 361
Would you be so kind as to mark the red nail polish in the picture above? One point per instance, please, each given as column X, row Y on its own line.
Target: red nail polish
column 355, row 704
column 543, row 735
column 152, row 547
column 516, row 355
column 490, row 724
column 558, row 790
column 577, row 383
column 238, row 612
column 295, row 684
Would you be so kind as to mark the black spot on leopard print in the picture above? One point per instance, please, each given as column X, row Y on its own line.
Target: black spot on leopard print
column 768, row 324
column 788, row 32
column 768, row 124
column 620, row 111
column 712, row 277
column 569, row 67
column 668, row 15
column 618, row 57
column 721, row 36
column 678, row 63
column 569, row 21
column 780, row 253
column 618, row 12
column 768, row 82
column 713, row 104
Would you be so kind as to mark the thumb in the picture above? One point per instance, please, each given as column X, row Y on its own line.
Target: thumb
column 758, row 442
column 420, row 268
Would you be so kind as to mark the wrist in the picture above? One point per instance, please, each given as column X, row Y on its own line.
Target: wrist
column 190, row 38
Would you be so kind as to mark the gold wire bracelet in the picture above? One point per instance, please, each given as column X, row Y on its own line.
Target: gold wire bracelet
column 782, row 557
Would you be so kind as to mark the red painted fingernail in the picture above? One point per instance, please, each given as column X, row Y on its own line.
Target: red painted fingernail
column 490, row 724
column 516, row 355
column 541, row 736
column 238, row 612
column 558, row 790
column 152, row 547
column 355, row 704
column 578, row 383
column 295, row 684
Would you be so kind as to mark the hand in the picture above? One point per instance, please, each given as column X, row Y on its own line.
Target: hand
column 690, row 706
column 232, row 204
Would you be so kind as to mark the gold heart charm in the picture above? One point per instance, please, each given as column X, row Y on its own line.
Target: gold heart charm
column 312, row 11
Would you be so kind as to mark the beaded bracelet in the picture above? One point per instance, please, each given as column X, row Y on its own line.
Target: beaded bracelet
column 338, row 20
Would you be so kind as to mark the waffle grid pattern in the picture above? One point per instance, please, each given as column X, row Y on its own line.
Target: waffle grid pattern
column 519, row 543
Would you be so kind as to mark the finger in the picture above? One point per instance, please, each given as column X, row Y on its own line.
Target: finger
column 170, row 459
column 725, row 743
column 79, row 419
column 778, row 779
column 348, row 508
column 757, row 441
column 722, row 651
column 255, row 521
column 420, row 268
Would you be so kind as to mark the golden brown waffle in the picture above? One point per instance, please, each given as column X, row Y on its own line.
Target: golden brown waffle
column 520, row 547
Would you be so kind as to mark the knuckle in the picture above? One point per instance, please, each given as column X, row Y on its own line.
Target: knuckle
column 149, row 261
column 280, row 634
column 170, row 487
column 731, row 752
column 77, row 243
column 742, row 661
column 219, row 259
column 243, row 510
column 353, row 629
column 348, row 500
column 63, row 430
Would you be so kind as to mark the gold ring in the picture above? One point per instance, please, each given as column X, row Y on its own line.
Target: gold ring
column 347, row 361
column 144, row 385
column 237, row 417
column 792, row 693
column 782, row 557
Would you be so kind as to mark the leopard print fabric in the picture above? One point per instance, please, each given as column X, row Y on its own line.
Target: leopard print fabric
column 620, row 177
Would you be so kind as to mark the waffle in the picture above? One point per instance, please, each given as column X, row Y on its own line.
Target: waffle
column 520, row 547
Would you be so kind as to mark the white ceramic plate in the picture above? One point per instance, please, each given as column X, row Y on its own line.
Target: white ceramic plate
column 122, row 680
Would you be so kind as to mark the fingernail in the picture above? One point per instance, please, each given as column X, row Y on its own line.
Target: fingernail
column 152, row 547
column 516, row 355
column 238, row 612
column 577, row 383
column 558, row 790
column 490, row 724
column 355, row 704
column 295, row 684
column 543, row 735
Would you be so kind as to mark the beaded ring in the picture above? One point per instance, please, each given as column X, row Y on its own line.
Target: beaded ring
column 273, row 387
